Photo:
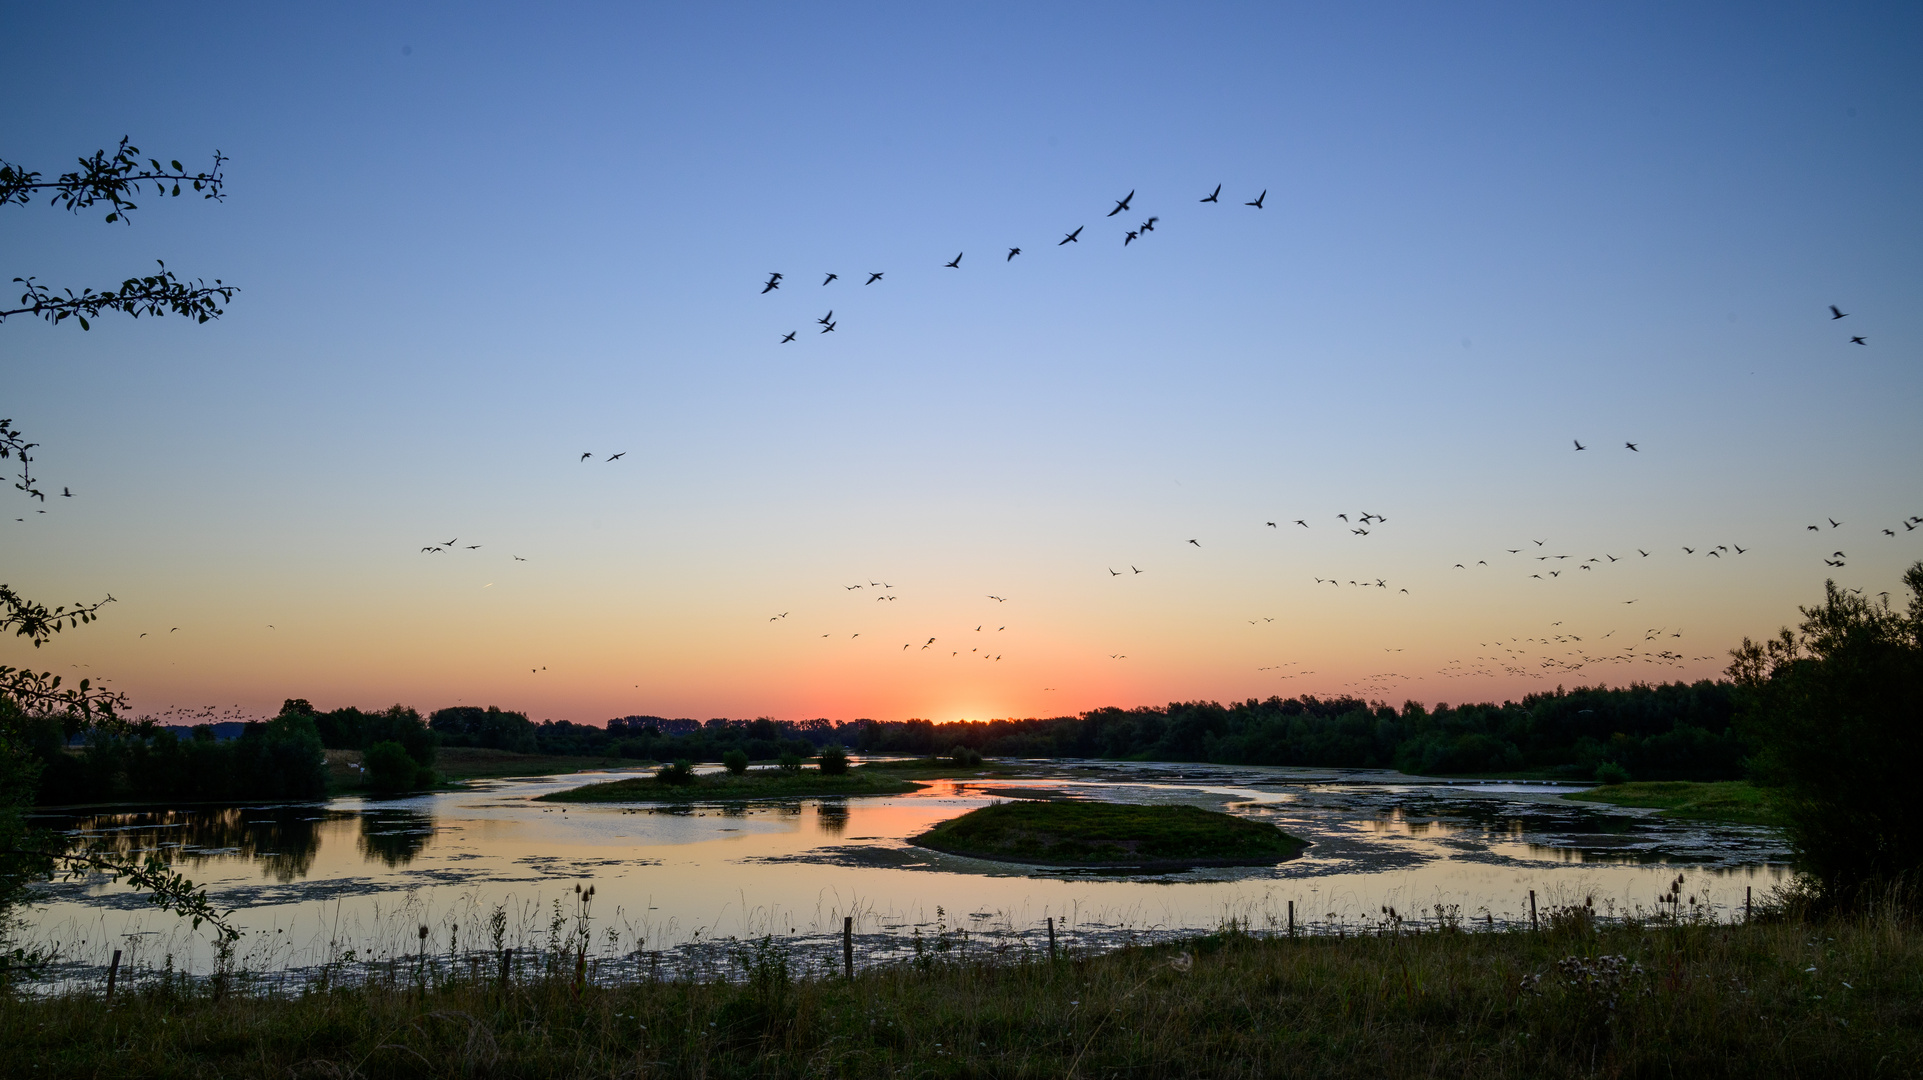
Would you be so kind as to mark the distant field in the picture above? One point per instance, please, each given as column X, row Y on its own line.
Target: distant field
column 1736, row 801
column 724, row 787
column 457, row 763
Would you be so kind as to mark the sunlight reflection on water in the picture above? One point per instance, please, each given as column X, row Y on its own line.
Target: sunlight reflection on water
column 311, row 880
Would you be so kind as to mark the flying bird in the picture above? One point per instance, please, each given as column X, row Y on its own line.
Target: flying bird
column 1129, row 239
column 773, row 284
column 1216, row 195
column 1149, row 225
column 1122, row 204
column 66, row 493
column 1258, row 199
column 1834, row 524
column 829, row 329
column 1112, row 572
column 1858, row 341
column 1632, row 446
column 586, row 455
column 828, row 318
column 829, row 278
column 1270, row 524
column 1074, row 237
column 1133, row 568
column 1012, row 252
column 872, row 278
column 1197, row 543
column 790, row 337
column 617, row 457
column 1302, row 523
column 1579, row 444
column 956, row 264
column 1836, row 313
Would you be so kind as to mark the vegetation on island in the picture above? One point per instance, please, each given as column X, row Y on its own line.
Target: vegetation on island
column 1068, row 832
column 1737, row 802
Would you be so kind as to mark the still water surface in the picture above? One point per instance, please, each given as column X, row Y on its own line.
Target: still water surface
column 310, row 881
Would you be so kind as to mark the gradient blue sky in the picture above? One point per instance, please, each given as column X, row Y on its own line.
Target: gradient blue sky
column 476, row 241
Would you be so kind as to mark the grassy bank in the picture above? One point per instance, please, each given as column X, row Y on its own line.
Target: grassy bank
column 1696, row 1001
column 1736, row 801
column 456, row 764
column 1068, row 833
column 726, row 787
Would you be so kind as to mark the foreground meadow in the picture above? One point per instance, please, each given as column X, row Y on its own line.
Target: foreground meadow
column 1836, row 998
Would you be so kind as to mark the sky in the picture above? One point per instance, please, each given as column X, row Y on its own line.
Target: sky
column 475, row 242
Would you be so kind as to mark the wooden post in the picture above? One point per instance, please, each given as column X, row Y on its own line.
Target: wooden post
column 1747, row 890
column 848, row 945
column 1532, row 911
column 1051, row 937
column 113, row 969
column 507, row 966
column 1291, row 918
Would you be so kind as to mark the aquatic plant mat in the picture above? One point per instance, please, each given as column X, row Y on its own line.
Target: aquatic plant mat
column 1840, row 998
column 727, row 787
column 1118, row 835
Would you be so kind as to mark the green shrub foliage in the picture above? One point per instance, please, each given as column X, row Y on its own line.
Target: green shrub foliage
column 1836, row 708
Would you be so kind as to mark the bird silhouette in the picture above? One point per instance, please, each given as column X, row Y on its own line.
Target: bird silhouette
column 586, row 454
column 828, row 318
column 1834, row 524
column 1133, row 568
column 1837, row 313
column 1270, row 524
column 773, row 284
column 1074, row 237
column 1197, row 543
column 1112, row 572
column 1689, row 551
column 1579, row 444
column 1632, row 446
column 617, row 457
column 790, row 337
column 517, row 558
column 1122, row 204
column 1012, row 252
column 872, row 278
column 956, row 264
column 1858, row 341
column 1149, row 225
column 1129, row 239
column 829, row 278
column 1257, row 203
column 66, row 493
column 1302, row 523
column 1216, row 195
column 829, row 329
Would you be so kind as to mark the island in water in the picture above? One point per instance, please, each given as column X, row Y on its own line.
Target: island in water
column 1100, row 835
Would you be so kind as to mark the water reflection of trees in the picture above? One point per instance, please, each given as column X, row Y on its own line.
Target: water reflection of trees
column 282, row 839
column 395, row 836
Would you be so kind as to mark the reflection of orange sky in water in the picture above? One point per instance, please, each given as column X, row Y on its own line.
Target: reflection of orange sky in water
column 672, row 876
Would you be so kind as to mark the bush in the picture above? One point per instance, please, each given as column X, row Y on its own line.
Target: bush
column 834, row 761
column 678, row 773
column 1837, row 710
column 1611, row 773
column 390, row 769
column 964, row 756
column 790, row 763
column 736, row 761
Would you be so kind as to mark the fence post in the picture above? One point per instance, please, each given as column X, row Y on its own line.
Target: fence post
column 1051, row 937
column 848, row 945
column 507, row 965
column 1532, row 911
column 1291, row 918
column 1747, row 890
column 113, row 969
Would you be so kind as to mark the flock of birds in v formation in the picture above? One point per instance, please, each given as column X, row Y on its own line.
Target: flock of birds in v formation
column 828, row 322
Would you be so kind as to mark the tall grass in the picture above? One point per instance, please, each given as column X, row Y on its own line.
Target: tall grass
column 1668, row 997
